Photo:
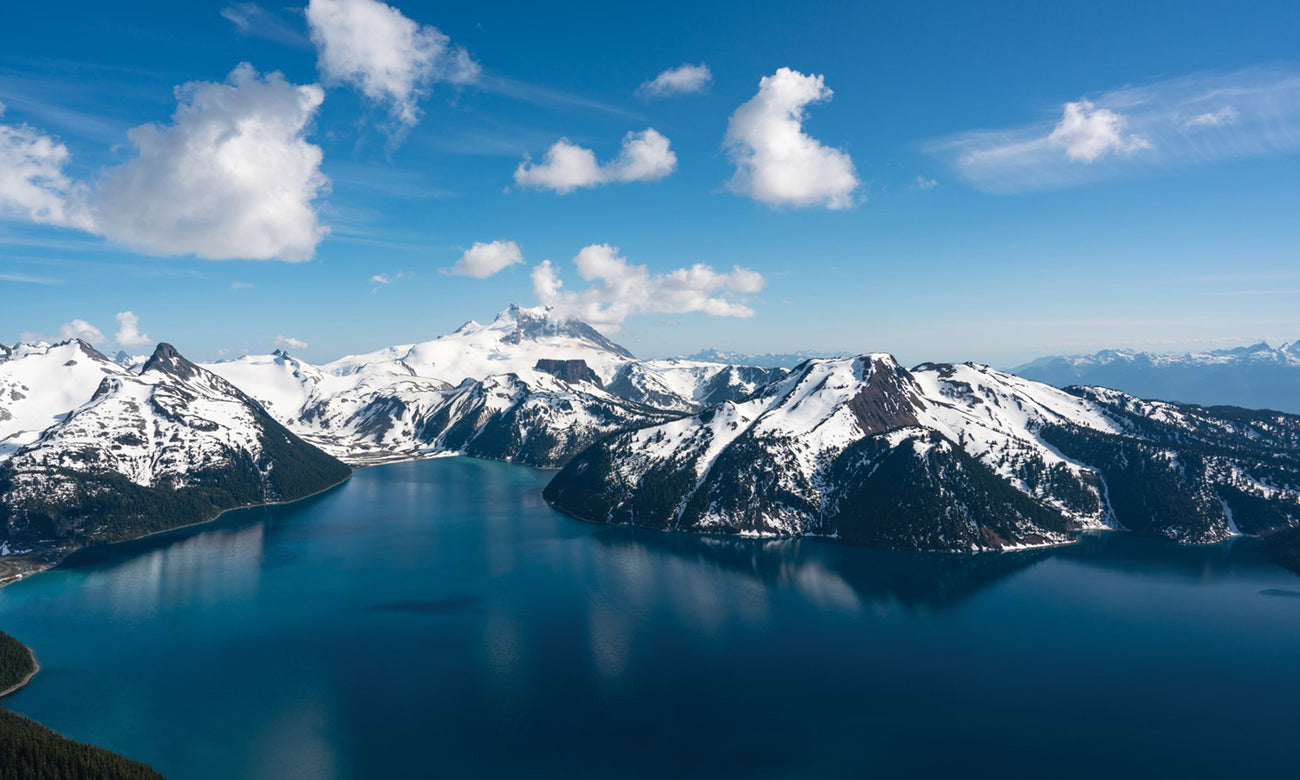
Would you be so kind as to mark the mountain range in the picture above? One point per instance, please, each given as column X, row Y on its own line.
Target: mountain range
column 946, row 457
column 1255, row 377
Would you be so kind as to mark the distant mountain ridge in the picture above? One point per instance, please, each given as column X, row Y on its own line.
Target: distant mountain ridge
column 1258, row 376
column 765, row 360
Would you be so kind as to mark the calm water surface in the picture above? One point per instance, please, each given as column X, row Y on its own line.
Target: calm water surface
column 438, row 619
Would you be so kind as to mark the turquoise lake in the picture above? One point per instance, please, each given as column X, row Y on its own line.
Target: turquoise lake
column 437, row 619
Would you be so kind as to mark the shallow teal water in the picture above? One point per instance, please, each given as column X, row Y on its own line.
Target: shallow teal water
column 438, row 619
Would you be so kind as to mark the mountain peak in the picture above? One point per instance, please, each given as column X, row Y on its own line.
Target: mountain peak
column 538, row 322
column 166, row 359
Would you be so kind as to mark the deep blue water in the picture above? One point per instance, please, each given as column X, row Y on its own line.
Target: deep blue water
column 438, row 619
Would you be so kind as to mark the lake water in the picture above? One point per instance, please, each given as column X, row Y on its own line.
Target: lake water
column 438, row 619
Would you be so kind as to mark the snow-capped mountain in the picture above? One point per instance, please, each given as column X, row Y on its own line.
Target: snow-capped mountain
column 41, row 383
column 1254, row 377
column 525, row 387
column 172, row 445
column 943, row 457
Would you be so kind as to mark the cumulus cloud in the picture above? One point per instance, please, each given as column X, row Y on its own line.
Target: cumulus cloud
column 33, row 184
column 1190, row 120
column 389, row 58
column 1086, row 133
column 645, row 156
column 486, row 259
column 776, row 161
column 922, row 183
column 288, row 342
column 80, row 329
column 128, row 331
column 231, row 177
column 617, row 289
column 682, row 80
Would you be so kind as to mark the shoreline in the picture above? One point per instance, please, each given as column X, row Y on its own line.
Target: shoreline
column 36, row 667
column 46, row 566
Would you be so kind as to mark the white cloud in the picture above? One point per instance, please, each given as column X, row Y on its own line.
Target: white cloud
column 922, row 183
column 33, row 185
column 237, row 286
column 617, row 289
column 486, row 259
column 128, row 331
column 1086, row 133
column 80, row 329
column 1190, row 120
column 776, row 161
column 682, row 80
column 231, row 177
column 383, row 280
column 644, row 156
column 288, row 342
column 388, row 57
column 1227, row 115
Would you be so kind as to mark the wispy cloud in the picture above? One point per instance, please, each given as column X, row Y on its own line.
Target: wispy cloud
column 1190, row 120
column 255, row 21
column 550, row 97
column 383, row 280
column 1249, row 293
column 25, row 279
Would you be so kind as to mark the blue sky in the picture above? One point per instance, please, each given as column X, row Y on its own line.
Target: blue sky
column 992, row 183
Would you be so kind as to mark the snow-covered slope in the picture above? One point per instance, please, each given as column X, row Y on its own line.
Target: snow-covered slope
column 41, row 383
column 946, row 457
column 1255, row 377
column 172, row 445
column 688, row 385
column 512, row 342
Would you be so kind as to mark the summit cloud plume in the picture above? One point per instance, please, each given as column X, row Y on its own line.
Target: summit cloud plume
column 618, row 289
